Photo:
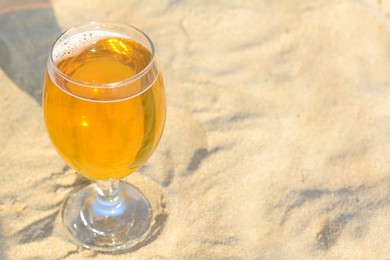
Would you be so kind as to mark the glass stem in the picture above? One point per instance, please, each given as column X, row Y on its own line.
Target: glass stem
column 108, row 200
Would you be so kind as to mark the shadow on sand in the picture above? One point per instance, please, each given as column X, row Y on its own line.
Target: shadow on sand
column 27, row 31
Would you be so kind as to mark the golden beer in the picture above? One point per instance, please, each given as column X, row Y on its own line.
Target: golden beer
column 104, row 132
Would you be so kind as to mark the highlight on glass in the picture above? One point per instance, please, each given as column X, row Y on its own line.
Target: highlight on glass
column 104, row 109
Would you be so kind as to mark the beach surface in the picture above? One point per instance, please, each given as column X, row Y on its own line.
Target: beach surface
column 276, row 144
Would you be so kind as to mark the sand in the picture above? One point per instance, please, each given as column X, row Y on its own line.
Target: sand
column 276, row 144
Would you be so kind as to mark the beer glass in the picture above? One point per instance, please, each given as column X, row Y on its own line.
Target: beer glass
column 104, row 109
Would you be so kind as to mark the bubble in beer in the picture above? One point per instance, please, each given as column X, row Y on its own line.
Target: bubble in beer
column 74, row 45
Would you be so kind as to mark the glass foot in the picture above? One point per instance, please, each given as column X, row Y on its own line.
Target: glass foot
column 119, row 223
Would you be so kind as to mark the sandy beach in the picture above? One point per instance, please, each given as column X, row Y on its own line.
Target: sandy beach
column 276, row 144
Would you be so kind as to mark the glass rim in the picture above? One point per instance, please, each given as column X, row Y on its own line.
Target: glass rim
column 111, row 84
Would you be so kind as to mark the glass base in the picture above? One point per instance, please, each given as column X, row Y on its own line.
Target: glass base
column 107, row 225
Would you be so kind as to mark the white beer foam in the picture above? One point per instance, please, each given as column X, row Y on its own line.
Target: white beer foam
column 75, row 44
